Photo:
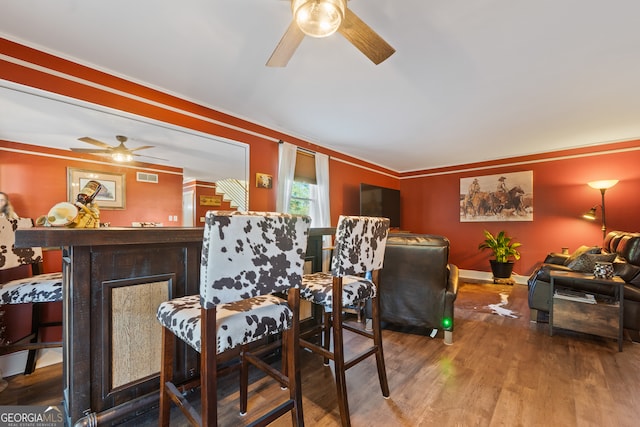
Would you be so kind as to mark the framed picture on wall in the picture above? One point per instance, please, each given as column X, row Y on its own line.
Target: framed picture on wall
column 264, row 180
column 111, row 195
column 501, row 197
column 211, row 201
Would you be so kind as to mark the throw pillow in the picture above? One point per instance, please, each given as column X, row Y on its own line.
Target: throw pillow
column 585, row 263
column 580, row 251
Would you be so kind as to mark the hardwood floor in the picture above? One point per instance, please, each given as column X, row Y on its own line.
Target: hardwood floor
column 500, row 371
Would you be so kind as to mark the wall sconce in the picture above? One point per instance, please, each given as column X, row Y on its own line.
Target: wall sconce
column 603, row 186
column 591, row 215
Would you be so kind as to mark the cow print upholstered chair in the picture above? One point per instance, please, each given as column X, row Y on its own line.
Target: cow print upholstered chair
column 359, row 249
column 37, row 289
column 246, row 258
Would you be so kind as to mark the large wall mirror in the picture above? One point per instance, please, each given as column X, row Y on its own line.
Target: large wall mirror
column 44, row 119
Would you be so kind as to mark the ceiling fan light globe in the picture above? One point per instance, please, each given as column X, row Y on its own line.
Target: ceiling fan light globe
column 318, row 18
column 121, row 157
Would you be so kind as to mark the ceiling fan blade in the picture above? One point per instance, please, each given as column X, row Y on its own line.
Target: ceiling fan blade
column 95, row 142
column 286, row 47
column 364, row 38
column 144, row 147
column 90, row 151
column 150, row 157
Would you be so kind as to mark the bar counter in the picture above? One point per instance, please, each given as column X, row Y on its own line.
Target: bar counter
column 113, row 281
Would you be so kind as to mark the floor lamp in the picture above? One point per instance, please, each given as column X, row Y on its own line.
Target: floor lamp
column 603, row 186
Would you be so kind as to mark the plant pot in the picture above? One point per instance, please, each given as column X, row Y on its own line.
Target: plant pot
column 501, row 270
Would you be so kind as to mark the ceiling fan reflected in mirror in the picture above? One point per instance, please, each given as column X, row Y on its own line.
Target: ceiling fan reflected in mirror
column 321, row 18
column 119, row 153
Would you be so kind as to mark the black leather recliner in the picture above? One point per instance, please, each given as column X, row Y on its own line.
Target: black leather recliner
column 418, row 286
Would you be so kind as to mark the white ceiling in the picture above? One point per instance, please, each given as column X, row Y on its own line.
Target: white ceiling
column 470, row 80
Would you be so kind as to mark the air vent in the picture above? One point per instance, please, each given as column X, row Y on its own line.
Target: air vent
column 147, row 177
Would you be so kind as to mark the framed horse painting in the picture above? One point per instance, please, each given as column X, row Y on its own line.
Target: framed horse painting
column 502, row 197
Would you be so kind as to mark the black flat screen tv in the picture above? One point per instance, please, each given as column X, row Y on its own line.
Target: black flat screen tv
column 381, row 202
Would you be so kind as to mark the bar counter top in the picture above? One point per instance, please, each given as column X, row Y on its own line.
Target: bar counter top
column 63, row 236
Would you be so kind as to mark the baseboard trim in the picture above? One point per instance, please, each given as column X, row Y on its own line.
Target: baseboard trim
column 476, row 276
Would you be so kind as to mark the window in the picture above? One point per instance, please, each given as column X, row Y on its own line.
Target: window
column 303, row 191
column 301, row 198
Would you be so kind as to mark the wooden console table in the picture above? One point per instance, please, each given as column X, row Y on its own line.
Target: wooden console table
column 603, row 316
column 113, row 281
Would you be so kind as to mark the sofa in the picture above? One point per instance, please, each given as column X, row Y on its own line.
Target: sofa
column 619, row 247
column 417, row 285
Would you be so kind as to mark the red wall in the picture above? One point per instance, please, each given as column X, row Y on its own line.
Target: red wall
column 36, row 182
column 345, row 179
column 561, row 195
column 35, row 179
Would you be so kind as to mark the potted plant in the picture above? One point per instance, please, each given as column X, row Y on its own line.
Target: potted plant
column 504, row 251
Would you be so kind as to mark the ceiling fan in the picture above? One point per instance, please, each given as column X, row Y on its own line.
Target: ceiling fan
column 119, row 153
column 321, row 18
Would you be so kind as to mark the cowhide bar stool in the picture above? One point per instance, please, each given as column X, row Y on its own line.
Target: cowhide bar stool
column 359, row 249
column 246, row 258
column 37, row 289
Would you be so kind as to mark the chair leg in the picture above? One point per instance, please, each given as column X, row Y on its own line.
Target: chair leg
column 377, row 340
column 244, row 382
column 34, row 337
column 166, row 375
column 35, row 329
column 338, row 352
column 284, row 356
column 209, row 368
column 293, row 362
column 289, row 374
column 327, row 322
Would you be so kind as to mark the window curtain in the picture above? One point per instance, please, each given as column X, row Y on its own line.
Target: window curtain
column 286, row 168
column 322, row 209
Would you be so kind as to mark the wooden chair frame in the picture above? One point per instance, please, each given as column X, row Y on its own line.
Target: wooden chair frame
column 359, row 251
column 333, row 322
column 215, row 293
column 31, row 341
column 209, row 372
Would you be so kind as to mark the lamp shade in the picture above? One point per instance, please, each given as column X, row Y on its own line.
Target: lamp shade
column 318, row 18
column 603, row 184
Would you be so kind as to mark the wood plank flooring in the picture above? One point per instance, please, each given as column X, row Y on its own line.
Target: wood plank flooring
column 500, row 371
